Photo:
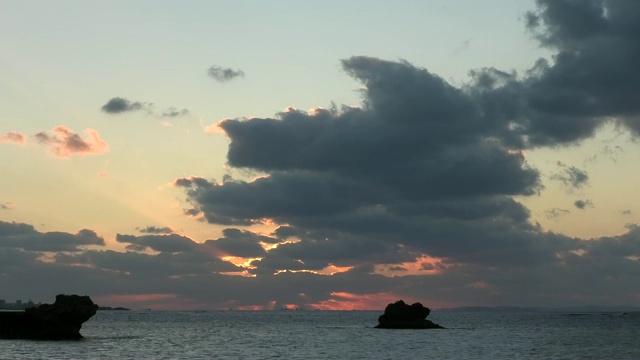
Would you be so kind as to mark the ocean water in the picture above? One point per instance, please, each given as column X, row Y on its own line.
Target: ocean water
column 340, row 335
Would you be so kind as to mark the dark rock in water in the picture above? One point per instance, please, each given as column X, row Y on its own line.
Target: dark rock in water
column 59, row 321
column 400, row 315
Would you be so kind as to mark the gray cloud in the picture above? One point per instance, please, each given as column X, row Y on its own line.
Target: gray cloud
column 119, row 105
column 583, row 204
column 593, row 75
column 25, row 237
column 155, row 230
column 194, row 275
column 421, row 170
column 571, row 177
column 173, row 112
column 424, row 168
column 223, row 74
column 556, row 213
column 386, row 182
column 164, row 243
column 240, row 243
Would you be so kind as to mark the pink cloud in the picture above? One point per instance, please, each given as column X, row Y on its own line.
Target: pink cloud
column 63, row 142
column 13, row 137
column 6, row 205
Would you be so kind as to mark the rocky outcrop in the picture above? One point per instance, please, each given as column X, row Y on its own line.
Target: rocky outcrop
column 59, row 321
column 400, row 315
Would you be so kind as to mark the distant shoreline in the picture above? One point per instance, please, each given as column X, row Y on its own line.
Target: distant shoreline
column 593, row 308
column 108, row 308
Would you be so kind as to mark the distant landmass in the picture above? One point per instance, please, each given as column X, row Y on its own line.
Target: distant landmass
column 590, row 308
column 108, row 308
column 18, row 305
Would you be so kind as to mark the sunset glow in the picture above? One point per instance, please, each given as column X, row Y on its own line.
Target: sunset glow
column 424, row 265
column 486, row 156
column 349, row 301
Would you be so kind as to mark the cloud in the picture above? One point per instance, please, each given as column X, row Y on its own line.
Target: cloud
column 423, row 168
column 119, row 105
column 64, row 143
column 25, row 237
column 7, row 205
column 385, row 182
column 421, row 175
column 173, row 112
column 162, row 243
column 583, row 204
column 556, row 213
column 192, row 274
column 155, row 230
column 13, row 137
column 223, row 74
column 593, row 76
column 571, row 177
column 245, row 244
column 609, row 152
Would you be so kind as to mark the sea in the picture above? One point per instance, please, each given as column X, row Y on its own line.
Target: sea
column 308, row 334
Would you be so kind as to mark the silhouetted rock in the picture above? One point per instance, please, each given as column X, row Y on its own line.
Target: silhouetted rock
column 399, row 315
column 59, row 321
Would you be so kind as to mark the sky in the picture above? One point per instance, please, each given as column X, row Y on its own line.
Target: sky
column 320, row 155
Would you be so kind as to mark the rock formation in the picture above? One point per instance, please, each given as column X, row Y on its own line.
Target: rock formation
column 399, row 315
column 59, row 321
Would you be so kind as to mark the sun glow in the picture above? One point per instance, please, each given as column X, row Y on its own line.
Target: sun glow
column 424, row 265
column 240, row 261
column 348, row 301
column 329, row 270
column 269, row 247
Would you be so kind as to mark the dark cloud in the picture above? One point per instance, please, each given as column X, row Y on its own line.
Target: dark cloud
column 571, row 177
column 164, row 243
column 223, row 74
column 25, row 237
column 406, row 174
column 119, row 105
column 150, row 267
column 422, row 175
column 425, row 168
column 155, row 230
column 583, row 204
column 240, row 243
column 192, row 272
column 594, row 75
